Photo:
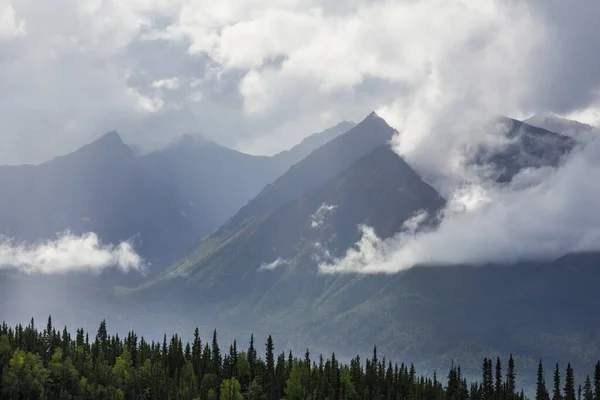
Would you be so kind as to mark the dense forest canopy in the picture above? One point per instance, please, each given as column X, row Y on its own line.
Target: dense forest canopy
column 51, row 364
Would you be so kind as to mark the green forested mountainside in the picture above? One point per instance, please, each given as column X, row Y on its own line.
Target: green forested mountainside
column 377, row 182
column 52, row 364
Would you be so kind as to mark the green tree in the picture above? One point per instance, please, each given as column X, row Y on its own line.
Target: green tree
column 347, row 390
column 24, row 377
column 255, row 391
column 231, row 390
column 209, row 382
column 294, row 387
column 123, row 372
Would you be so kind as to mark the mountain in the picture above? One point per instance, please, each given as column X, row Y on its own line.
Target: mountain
column 523, row 146
column 259, row 271
column 313, row 142
column 100, row 188
column 214, row 182
column 579, row 131
column 165, row 201
column 320, row 165
column 263, row 262
column 460, row 314
column 557, row 124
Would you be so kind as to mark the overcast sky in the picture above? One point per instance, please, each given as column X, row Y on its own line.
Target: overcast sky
column 260, row 75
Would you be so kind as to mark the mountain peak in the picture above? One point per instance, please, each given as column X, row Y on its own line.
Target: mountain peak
column 109, row 144
column 374, row 120
column 110, row 137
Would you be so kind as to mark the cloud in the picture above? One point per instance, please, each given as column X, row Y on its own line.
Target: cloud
column 169, row 84
column 279, row 262
column 11, row 27
column 68, row 253
column 329, row 61
column 543, row 215
column 318, row 218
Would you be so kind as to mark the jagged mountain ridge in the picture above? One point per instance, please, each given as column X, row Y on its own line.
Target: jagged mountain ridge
column 164, row 201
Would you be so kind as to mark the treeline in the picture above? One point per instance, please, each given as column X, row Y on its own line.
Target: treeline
column 51, row 364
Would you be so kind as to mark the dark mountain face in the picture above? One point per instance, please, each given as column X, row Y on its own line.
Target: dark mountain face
column 525, row 146
column 322, row 164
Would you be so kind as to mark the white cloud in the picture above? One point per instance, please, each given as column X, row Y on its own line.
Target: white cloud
column 68, row 253
column 279, row 262
column 343, row 59
column 168, row 84
column 318, row 218
column 11, row 26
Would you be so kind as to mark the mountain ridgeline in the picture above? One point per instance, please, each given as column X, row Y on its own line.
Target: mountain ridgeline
column 165, row 201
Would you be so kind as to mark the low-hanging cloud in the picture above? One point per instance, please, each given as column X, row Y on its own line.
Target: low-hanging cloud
column 68, row 253
column 542, row 215
column 279, row 262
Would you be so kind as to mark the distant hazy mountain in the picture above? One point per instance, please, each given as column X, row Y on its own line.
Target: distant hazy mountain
column 165, row 201
column 100, row 188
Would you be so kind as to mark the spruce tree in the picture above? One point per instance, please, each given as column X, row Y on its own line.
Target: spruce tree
column 541, row 391
column 510, row 378
column 498, row 387
column 270, row 362
column 197, row 352
column 597, row 381
column 216, row 355
column 556, row 394
column 252, row 356
column 569, row 389
column 588, row 393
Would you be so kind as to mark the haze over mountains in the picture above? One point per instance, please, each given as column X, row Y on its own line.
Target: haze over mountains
column 164, row 201
column 241, row 242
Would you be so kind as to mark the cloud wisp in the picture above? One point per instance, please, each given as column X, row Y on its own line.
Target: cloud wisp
column 318, row 218
column 68, row 253
column 279, row 262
